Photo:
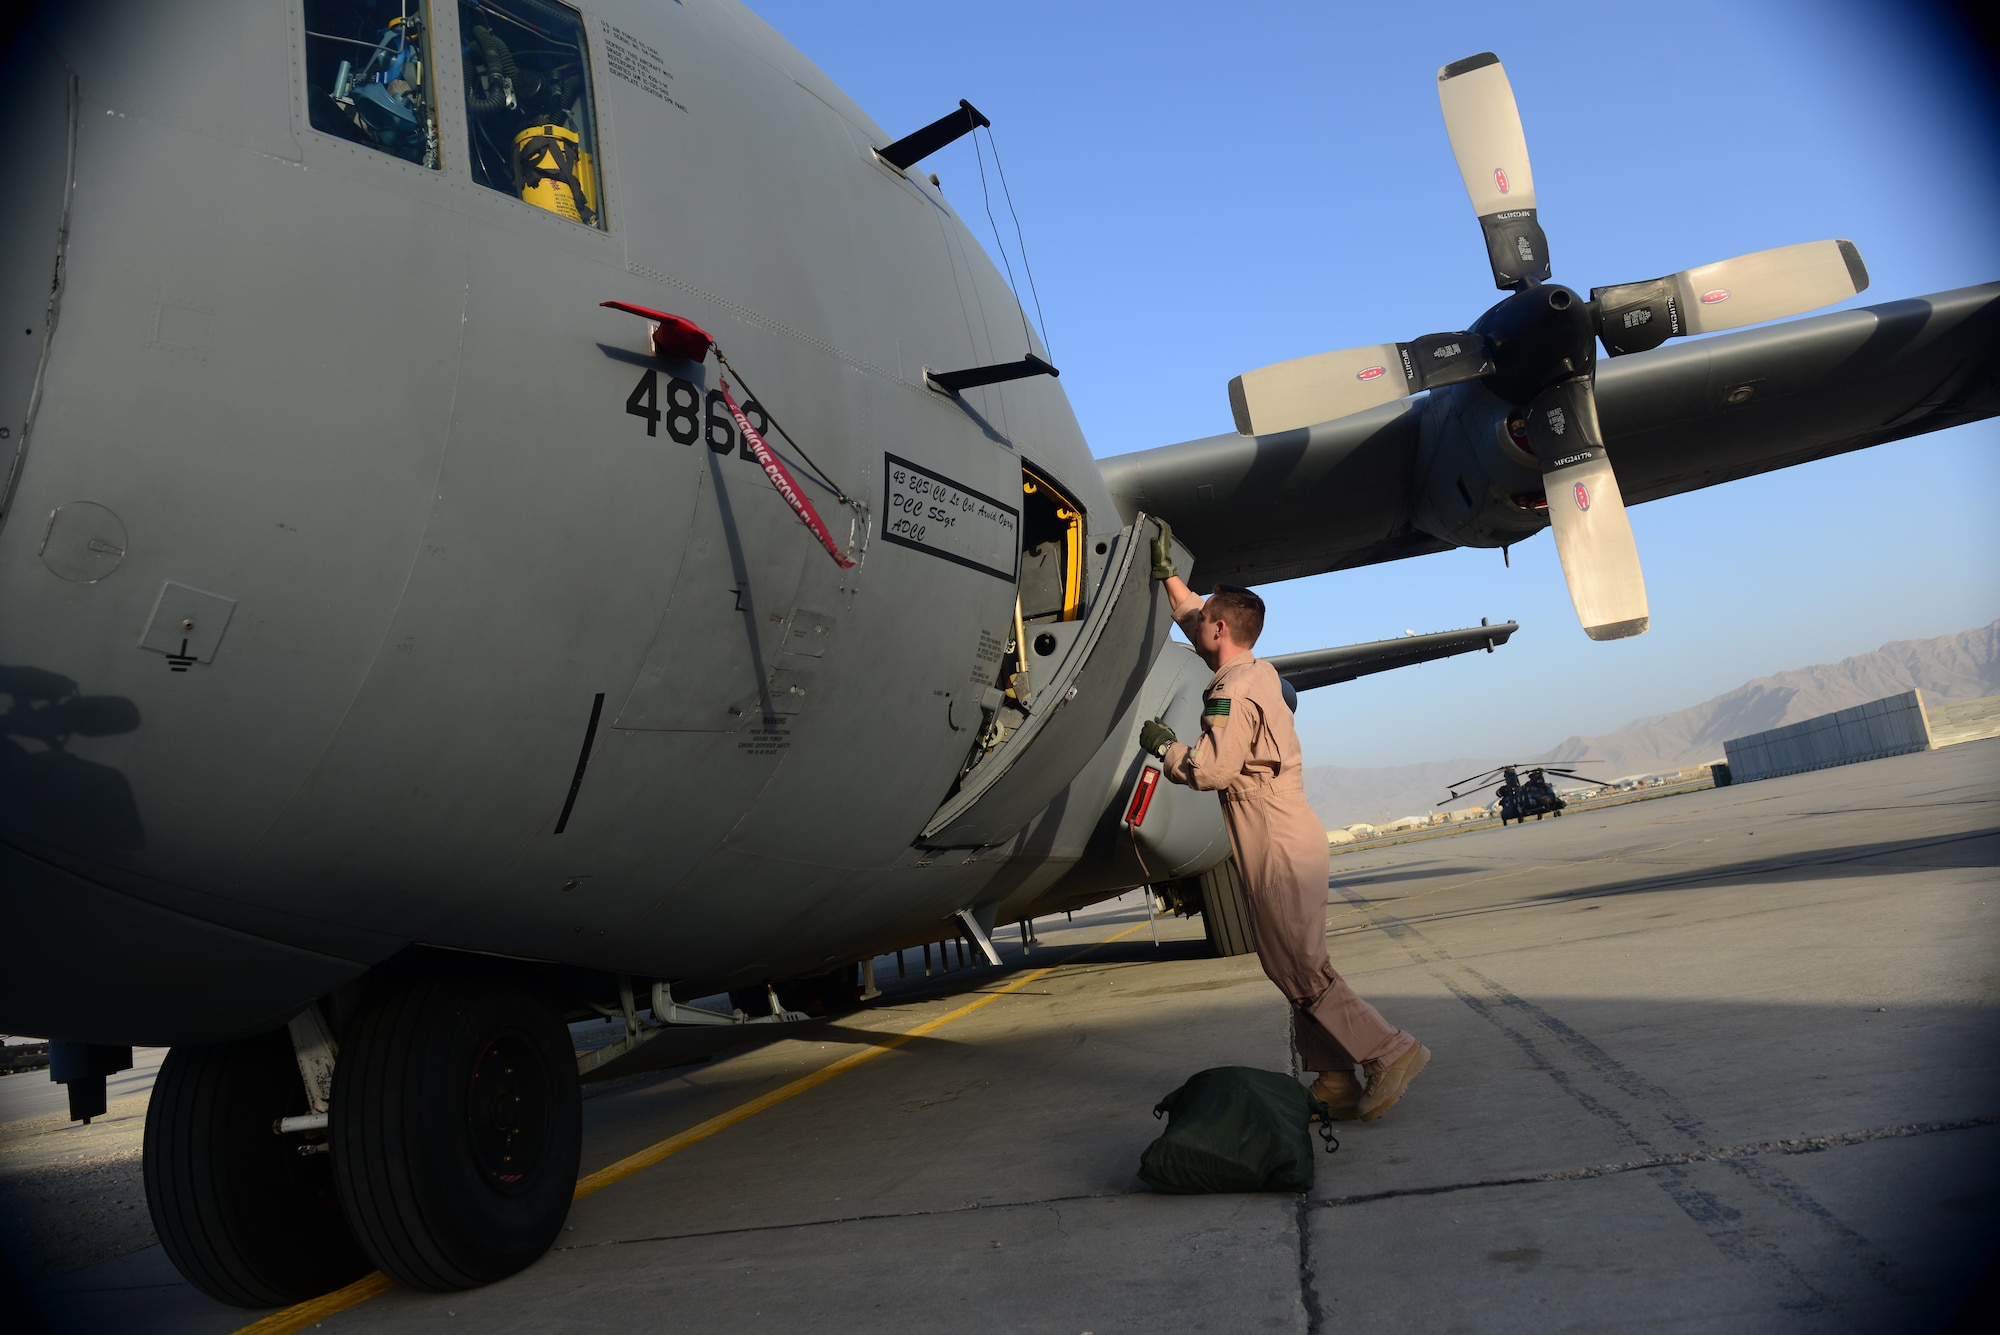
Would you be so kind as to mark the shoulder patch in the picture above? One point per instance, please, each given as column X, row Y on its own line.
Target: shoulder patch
column 1219, row 706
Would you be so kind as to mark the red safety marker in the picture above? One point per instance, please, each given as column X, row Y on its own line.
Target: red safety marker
column 683, row 340
column 1142, row 797
column 781, row 478
column 673, row 338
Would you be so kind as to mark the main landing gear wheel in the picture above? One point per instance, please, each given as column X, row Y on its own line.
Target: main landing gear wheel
column 246, row 1217
column 1225, row 913
column 457, row 1124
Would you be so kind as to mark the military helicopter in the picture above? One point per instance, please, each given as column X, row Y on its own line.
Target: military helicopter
column 1520, row 798
column 534, row 509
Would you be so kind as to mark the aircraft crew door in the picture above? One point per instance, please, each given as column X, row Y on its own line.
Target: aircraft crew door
column 1088, row 624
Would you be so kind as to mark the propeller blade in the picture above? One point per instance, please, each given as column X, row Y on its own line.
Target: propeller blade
column 1764, row 285
column 1600, row 560
column 1313, row 389
column 1288, row 395
column 1492, row 152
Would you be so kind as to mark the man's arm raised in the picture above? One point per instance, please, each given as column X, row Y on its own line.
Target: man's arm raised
column 1183, row 600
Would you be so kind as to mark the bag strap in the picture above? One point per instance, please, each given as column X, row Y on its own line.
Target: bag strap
column 1325, row 1115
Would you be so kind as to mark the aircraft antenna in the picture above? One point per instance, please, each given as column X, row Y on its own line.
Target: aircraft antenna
column 987, row 194
column 839, row 494
column 1027, row 268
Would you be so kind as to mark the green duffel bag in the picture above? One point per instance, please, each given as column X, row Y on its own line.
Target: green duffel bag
column 1235, row 1128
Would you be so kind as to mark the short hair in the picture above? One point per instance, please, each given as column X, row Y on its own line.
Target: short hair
column 1240, row 610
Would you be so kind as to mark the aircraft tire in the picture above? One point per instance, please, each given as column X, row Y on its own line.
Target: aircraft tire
column 457, row 1126
column 1225, row 914
column 240, row 1212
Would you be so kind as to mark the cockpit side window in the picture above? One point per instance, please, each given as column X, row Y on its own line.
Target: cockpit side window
column 368, row 75
column 527, row 96
column 1051, row 552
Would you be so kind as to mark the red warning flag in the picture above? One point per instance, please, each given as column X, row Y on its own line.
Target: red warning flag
column 781, row 478
column 673, row 337
column 679, row 339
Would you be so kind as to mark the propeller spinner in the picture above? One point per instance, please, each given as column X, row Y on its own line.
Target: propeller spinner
column 1537, row 348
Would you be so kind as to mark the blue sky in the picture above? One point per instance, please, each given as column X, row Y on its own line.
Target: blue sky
column 1207, row 188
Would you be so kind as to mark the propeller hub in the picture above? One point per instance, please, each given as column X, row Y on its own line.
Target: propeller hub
column 1540, row 336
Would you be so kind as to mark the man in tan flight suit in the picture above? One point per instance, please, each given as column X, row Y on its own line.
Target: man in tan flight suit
column 1249, row 755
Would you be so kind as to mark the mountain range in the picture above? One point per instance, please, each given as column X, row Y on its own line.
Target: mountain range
column 1952, row 667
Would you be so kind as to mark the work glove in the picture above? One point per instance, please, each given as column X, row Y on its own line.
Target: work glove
column 1163, row 551
column 1155, row 737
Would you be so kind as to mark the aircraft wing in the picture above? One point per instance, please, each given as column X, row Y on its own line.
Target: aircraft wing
column 1694, row 413
column 1324, row 667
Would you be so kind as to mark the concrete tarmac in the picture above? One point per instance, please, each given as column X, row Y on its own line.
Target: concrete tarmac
column 1724, row 1061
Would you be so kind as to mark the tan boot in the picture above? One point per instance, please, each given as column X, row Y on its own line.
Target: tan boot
column 1388, row 1084
column 1340, row 1091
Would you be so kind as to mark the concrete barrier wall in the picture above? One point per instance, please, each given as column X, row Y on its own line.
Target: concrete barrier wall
column 1889, row 727
column 1964, row 721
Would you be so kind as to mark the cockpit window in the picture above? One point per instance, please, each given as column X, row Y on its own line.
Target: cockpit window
column 368, row 75
column 527, row 95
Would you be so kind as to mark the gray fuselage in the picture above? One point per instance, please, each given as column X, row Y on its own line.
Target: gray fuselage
column 360, row 428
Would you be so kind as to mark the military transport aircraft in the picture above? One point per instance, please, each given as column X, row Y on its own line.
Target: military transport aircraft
column 416, row 633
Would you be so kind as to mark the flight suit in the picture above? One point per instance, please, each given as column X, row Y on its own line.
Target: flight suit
column 1249, row 755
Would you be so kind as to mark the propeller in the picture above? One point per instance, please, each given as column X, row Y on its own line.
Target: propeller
column 1537, row 348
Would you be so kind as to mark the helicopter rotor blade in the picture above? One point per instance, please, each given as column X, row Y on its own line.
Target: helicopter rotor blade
column 1469, row 792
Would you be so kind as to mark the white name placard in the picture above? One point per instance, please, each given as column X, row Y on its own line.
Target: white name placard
column 937, row 516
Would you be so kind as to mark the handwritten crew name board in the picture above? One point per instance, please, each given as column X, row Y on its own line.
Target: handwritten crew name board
column 937, row 516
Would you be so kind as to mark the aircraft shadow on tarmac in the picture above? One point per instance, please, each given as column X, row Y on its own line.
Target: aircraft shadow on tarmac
column 1967, row 850
column 1420, row 872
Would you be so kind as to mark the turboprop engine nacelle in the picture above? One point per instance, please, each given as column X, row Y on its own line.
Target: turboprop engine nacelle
column 1477, row 481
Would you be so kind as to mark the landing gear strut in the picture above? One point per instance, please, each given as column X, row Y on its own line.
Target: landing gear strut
column 250, row 1217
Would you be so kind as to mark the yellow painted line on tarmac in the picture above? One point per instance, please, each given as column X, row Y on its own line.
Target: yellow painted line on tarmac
column 301, row 1315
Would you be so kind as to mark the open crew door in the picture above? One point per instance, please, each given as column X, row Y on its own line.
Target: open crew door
column 1086, row 652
